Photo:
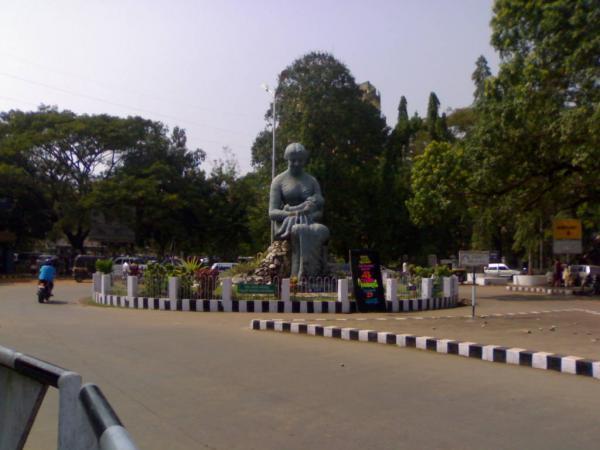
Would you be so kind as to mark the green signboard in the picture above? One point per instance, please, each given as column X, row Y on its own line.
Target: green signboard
column 247, row 288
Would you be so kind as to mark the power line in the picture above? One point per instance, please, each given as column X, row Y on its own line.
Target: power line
column 121, row 105
column 128, row 89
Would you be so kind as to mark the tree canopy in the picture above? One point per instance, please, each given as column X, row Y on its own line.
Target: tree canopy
column 321, row 106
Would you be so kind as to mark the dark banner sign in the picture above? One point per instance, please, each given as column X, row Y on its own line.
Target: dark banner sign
column 366, row 281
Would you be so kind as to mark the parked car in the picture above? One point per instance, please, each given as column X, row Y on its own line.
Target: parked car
column 500, row 270
column 133, row 261
column 173, row 260
column 223, row 266
column 582, row 271
column 84, row 266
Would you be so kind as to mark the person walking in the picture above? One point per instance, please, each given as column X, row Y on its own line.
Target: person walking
column 558, row 269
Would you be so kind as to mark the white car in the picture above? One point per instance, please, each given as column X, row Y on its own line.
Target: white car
column 118, row 264
column 222, row 266
column 583, row 271
column 500, row 270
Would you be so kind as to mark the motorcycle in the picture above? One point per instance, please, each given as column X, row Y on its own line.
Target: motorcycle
column 44, row 291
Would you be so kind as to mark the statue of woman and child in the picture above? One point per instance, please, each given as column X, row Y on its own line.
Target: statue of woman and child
column 296, row 207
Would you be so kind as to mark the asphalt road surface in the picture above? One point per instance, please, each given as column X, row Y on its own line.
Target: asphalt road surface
column 204, row 380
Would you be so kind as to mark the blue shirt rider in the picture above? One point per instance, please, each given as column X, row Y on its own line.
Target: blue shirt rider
column 48, row 273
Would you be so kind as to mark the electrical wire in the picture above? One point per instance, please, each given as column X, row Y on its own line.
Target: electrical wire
column 106, row 85
column 121, row 105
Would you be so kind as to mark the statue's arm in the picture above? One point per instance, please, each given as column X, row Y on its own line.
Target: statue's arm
column 276, row 211
column 317, row 213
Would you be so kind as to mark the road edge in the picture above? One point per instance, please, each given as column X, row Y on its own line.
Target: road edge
column 573, row 365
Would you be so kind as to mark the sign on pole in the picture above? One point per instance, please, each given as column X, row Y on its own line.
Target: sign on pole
column 567, row 247
column 567, row 236
column 473, row 258
column 567, row 229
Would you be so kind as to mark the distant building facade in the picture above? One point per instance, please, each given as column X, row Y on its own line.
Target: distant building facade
column 370, row 94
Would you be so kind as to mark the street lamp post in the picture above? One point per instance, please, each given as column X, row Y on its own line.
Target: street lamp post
column 273, row 93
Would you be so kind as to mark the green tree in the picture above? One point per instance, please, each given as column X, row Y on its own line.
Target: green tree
column 433, row 106
column 161, row 191
column 26, row 210
column 395, row 235
column 399, row 139
column 65, row 153
column 440, row 201
column 538, row 124
column 482, row 72
column 321, row 106
column 461, row 121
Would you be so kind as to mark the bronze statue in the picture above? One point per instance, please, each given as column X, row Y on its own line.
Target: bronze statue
column 296, row 207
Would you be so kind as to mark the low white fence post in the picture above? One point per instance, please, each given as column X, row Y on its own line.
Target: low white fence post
column 96, row 283
column 448, row 288
column 174, row 285
column 226, row 294
column 426, row 288
column 343, row 294
column 132, row 286
column 454, row 286
column 391, row 289
column 105, row 284
column 285, row 289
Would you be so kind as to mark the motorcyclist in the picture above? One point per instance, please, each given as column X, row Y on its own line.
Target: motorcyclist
column 47, row 274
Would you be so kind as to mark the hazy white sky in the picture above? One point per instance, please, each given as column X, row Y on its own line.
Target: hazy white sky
column 199, row 64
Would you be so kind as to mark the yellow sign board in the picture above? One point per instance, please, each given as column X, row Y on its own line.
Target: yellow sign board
column 567, row 229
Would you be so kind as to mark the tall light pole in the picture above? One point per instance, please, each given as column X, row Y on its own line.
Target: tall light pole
column 273, row 93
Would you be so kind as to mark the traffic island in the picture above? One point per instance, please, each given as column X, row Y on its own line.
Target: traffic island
column 431, row 299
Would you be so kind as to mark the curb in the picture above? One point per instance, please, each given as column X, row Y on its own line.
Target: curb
column 494, row 353
column 266, row 306
column 541, row 290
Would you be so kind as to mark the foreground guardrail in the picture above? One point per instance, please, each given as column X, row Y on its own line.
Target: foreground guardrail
column 86, row 421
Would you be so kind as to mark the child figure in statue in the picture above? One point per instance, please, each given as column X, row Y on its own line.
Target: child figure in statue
column 296, row 207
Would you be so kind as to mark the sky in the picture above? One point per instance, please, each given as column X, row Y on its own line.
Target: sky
column 200, row 64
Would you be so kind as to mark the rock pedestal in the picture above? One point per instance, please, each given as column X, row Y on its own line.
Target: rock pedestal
column 275, row 264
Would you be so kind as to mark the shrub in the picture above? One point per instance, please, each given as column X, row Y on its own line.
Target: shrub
column 104, row 266
column 246, row 267
column 442, row 271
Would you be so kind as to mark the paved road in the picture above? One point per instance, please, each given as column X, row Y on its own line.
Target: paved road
column 198, row 380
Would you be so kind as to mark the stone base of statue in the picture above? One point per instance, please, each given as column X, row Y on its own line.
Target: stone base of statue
column 276, row 263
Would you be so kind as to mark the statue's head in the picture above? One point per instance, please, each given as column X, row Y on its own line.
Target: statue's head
column 296, row 156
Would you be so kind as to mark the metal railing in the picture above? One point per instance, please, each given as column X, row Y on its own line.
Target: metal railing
column 86, row 420
column 205, row 287
column 153, row 286
column 314, row 288
column 409, row 287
